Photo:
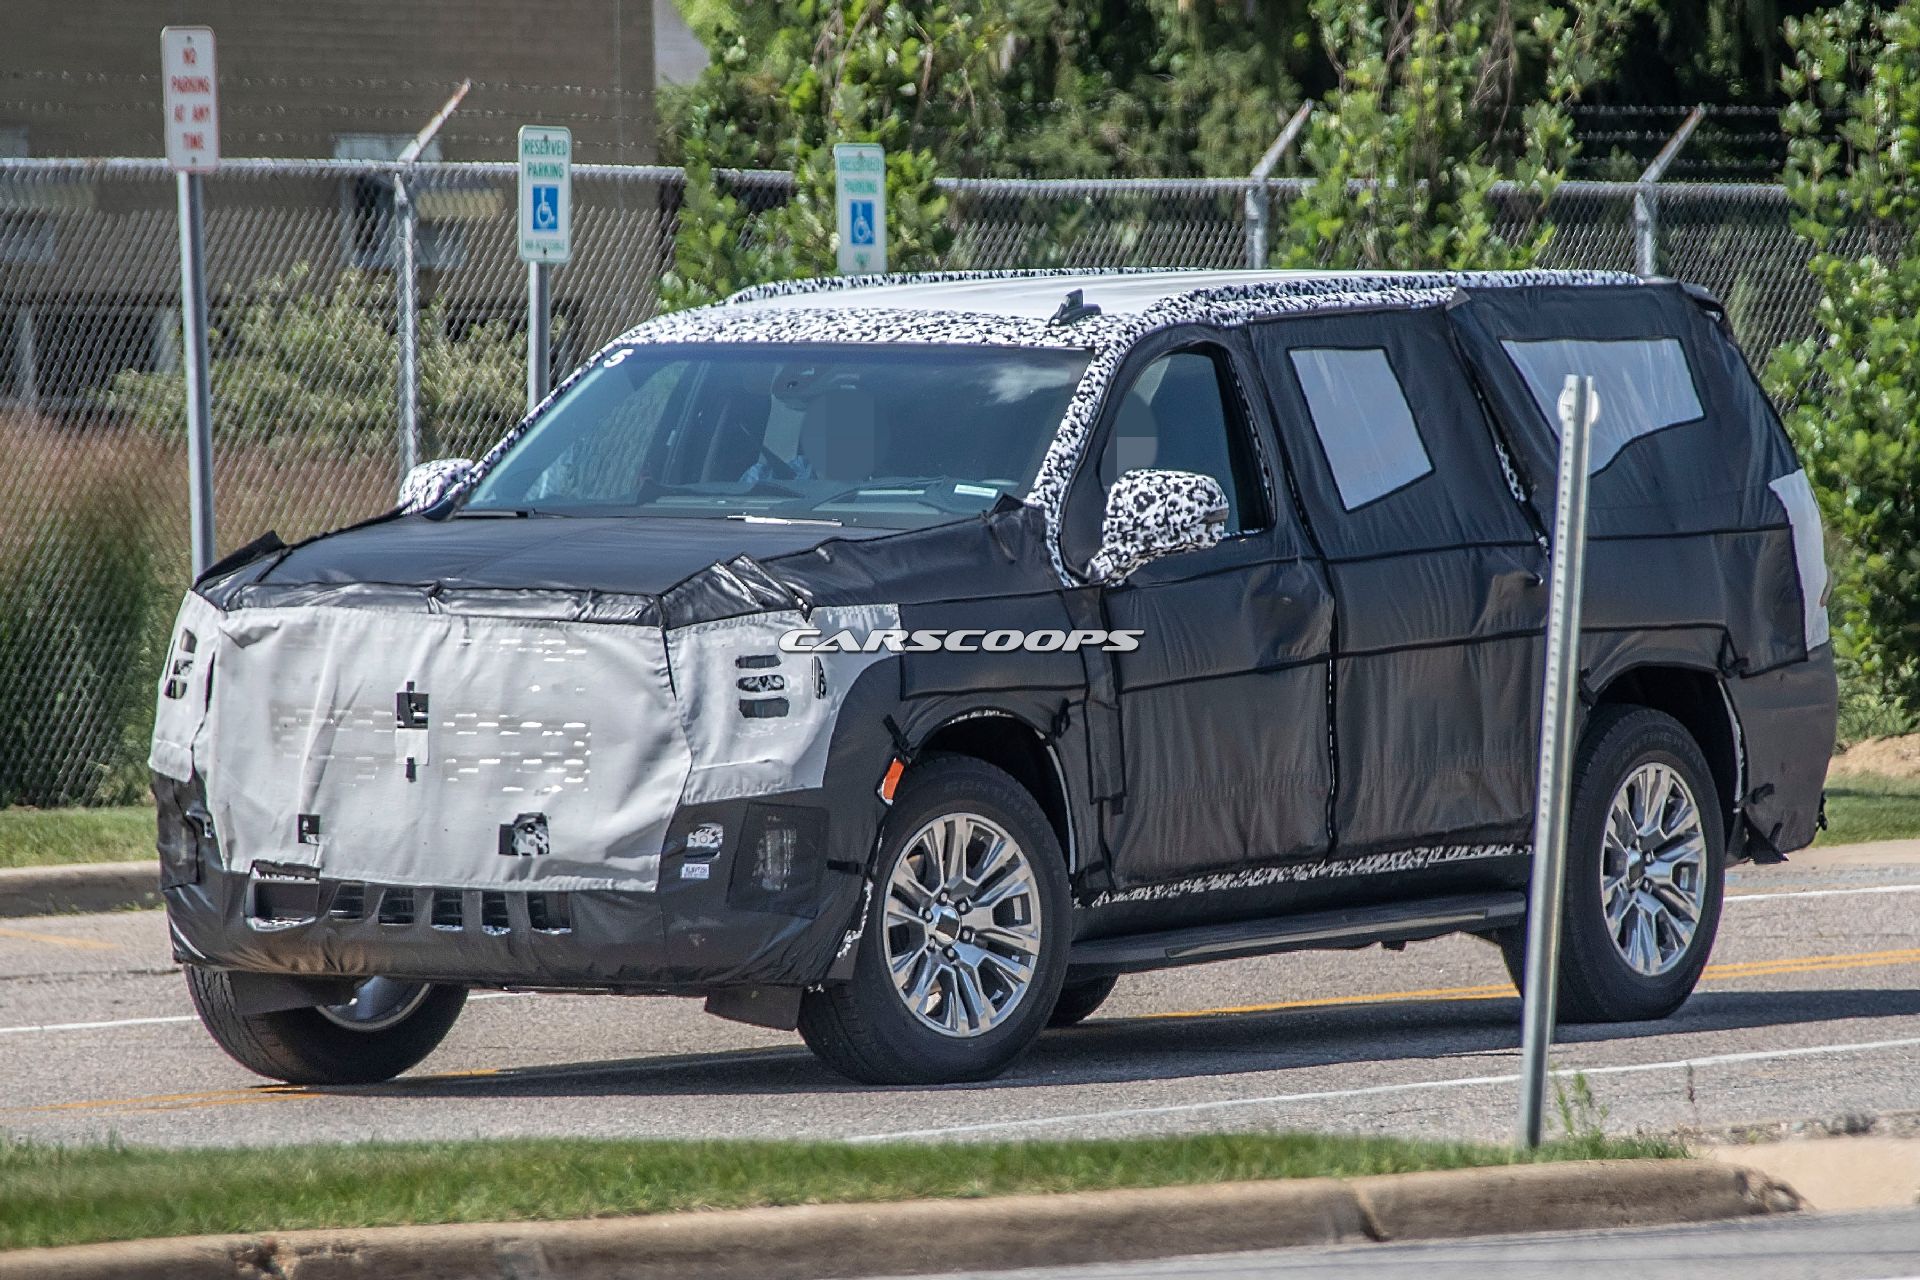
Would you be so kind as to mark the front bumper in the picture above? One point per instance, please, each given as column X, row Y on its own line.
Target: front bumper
column 721, row 917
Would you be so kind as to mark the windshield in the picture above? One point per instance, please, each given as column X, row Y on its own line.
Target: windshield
column 894, row 436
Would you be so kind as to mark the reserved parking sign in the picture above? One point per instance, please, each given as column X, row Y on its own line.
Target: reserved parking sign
column 860, row 193
column 546, row 194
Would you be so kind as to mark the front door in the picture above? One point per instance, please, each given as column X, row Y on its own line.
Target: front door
column 1222, row 719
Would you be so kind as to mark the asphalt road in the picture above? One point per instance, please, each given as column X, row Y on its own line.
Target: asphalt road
column 1864, row 1246
column 1810, row 1013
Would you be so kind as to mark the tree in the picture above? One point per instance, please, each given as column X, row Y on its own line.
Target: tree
column 1856, row 414
column 790, row 80
column 1406, row 150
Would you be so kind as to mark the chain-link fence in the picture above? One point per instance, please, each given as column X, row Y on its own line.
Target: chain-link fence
column 300, row 263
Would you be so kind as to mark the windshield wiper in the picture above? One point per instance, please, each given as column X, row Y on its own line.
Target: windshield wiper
column 744, row 518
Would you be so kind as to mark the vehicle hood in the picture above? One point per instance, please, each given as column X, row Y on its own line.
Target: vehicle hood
column 629, row 556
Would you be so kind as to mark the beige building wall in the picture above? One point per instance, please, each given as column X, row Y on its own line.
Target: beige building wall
column 81, row 77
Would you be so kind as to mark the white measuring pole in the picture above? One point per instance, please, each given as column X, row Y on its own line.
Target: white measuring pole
column 1559, row 714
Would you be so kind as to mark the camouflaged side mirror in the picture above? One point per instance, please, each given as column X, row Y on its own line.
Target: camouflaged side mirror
column 428, row 484
column 1153, row 513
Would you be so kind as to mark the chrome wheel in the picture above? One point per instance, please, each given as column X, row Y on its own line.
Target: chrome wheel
column 963, row 922
column 378, row 1003
column 1653, row 869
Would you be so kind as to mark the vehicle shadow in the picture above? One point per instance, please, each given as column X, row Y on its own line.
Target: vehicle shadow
column 1148, row 1048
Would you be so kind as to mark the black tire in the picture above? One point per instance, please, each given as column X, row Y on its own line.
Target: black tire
column 863, row 1027
column 1079, row 1000
column 1597, row 984
column 304, row 1046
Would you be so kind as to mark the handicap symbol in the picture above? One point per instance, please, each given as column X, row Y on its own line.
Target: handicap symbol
column 546, row 208
column 860, row 221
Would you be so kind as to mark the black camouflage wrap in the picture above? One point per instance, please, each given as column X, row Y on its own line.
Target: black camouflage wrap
column 1338, row 708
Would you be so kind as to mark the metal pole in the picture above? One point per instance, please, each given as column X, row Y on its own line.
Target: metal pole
column 1646, row 200
column 409, row 282
column 193, row 332
column 408, row 289
column 1559, row 707
column 539, row 333
column 1259, row 189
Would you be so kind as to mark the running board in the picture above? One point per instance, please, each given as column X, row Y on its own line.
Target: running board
column 1318, row 930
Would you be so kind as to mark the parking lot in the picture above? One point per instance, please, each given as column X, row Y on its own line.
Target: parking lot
column 1810, row 1014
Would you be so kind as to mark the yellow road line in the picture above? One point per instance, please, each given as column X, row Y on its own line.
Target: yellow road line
column 56, row 940
column 1714, row 973
column 1731, row 972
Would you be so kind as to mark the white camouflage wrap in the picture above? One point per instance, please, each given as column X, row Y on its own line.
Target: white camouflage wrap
column 1152, row 513
column 431, row 483
column 508, row 765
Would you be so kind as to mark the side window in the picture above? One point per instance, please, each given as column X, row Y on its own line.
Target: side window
column 1645, row 385
column 1182, row 414
column 1362, row 418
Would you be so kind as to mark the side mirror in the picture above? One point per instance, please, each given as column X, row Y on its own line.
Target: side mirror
column 1153, row 513
column 430, row 483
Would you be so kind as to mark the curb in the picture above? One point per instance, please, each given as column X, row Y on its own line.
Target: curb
column 78, row 887
column 851, row 1240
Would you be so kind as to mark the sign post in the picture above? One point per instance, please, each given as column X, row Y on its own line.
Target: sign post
column 860, row 201
column 1559, row 705
column 546, row 238
column 192, row 101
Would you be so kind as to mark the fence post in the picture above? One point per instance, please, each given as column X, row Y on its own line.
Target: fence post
column 1559, row 706
column 408, row 218
column 1646, row 200
column 408, row 292
column 193, row 332
column 1260, row 188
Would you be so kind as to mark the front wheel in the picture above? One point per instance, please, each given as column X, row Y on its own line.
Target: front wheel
column 966, row 941
column 1646, row 871
column 385, row 1028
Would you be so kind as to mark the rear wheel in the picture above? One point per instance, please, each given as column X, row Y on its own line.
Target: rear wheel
column 1646, row 871
column 385, row 1028
column 965, row 946
column 1080, row 1000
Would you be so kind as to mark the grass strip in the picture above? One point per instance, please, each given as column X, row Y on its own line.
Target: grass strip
column 1864, row 807
column 57, row 1195
column 55, row 837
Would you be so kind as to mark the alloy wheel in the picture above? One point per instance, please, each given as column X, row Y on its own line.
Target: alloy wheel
column 963, row 925
column 1653, row 869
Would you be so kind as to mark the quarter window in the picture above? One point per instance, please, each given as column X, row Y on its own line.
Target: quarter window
column 1644, row 384
column 1363, row 420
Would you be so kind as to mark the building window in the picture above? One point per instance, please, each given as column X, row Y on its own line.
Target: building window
column 1363, row 420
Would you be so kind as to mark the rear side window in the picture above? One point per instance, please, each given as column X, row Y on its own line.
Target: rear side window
column 1645, row 385
column 1363, row 420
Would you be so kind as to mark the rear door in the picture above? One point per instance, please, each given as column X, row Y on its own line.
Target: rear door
column 1437, row 576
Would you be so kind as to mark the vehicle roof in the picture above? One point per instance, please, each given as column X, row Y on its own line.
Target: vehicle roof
column 1037, row 295
column 1031, row 296
column 1017, row 308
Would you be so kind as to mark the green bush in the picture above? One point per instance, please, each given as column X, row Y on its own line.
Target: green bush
column 314, row 365
column 1856, row 414
column 83, row 626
